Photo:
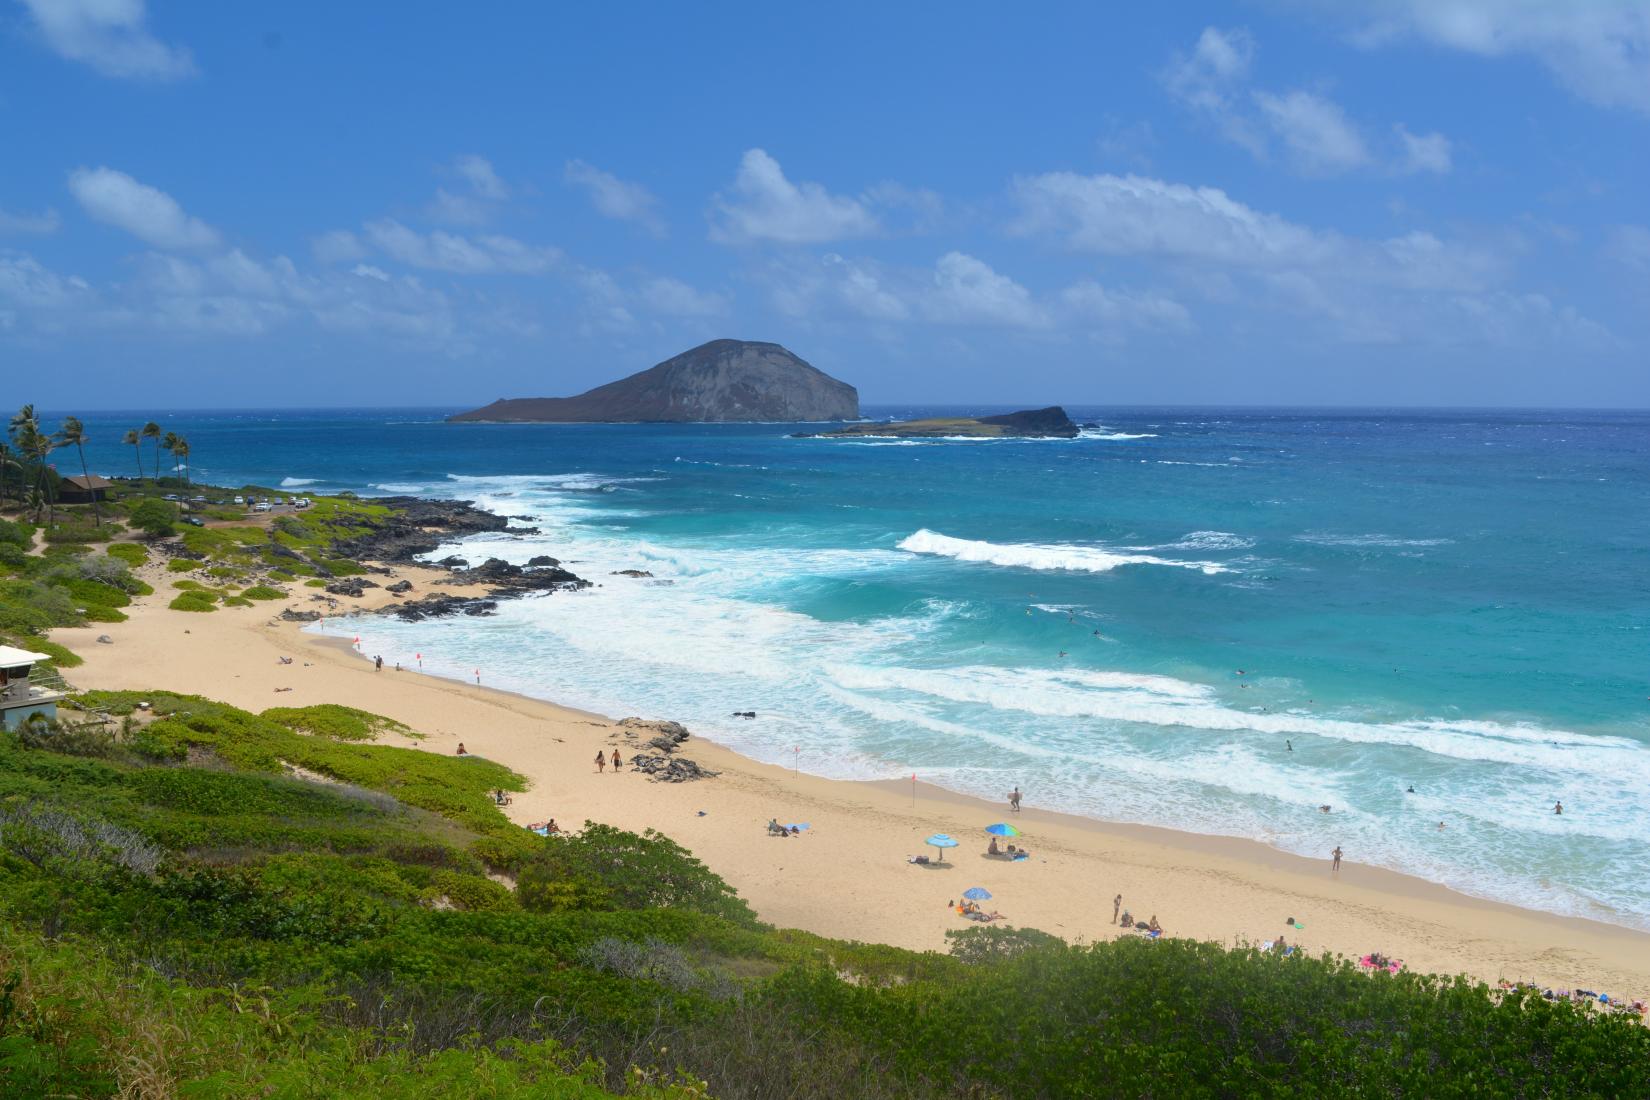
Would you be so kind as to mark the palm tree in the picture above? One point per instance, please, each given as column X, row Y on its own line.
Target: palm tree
column 133, row 440
column 183, row 455
column 23, row 425
column 39, row 446
column 151, row 430
column 73, row 431
column 170, row 445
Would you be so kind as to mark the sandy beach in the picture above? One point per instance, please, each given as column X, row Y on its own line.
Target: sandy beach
column 847, row 876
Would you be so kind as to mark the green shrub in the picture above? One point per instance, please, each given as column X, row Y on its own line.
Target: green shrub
column 343, row 567
column 17, row 533
column 237, row 601
column 13, row 556
column 334, row 720
column 316, row 583
column 155, row 518
column 182, row 565
column 193, row 601
column 129, row 553
column 264, row 592
column 61, row 656
column 601, row 867
column 95, row 592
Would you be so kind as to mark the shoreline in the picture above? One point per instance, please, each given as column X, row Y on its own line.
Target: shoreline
column 850, row 880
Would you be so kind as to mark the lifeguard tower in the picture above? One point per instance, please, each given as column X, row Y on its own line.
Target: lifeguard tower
column 19, row 697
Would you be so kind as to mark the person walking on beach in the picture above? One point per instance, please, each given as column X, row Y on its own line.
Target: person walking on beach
column 1014, row 799
column 601, row 761
column 1335, row 864
column 378, row 664
column 617, row 763
column 1116, row 904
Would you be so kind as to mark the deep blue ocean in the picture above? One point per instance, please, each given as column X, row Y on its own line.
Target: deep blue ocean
column 1215, row 620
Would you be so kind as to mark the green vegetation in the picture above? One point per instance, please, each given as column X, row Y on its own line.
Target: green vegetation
column 193, row 600
column 338, row 722
column 129, row 553
column 179, row 916
column 263, row 592
column 157, row 519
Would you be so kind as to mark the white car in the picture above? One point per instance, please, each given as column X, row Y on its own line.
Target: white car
column 240, row 500
column 261, row 506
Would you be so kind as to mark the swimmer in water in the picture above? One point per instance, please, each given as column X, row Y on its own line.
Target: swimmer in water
column 1288, row 746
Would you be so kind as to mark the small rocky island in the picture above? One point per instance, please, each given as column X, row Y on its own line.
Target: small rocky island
column 1049, row 423
column 724, row 381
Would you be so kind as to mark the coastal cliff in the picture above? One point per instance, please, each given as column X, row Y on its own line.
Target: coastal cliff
column 1048, row 423
column 724, row 381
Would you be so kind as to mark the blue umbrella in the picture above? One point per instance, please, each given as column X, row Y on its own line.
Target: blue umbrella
column 1002, row 829
column 977, row 893
column 941, row 841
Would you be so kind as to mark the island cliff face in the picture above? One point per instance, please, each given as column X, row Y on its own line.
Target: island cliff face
column 723, row 381
column 1051, row 422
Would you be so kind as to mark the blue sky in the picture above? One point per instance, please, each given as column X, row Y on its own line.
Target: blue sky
column 1416, row 202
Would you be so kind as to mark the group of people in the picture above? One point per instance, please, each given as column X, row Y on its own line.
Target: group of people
column 776, row 829
column 971, row 911
column 1011, row 852
column 603, row 760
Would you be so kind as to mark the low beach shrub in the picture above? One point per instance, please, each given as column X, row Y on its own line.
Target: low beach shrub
column 130, row 554
column 333, row 720
column 263, row 592
column 193, row 601
column 182, row 565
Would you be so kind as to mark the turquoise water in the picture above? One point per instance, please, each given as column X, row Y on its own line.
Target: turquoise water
column 1457, row 601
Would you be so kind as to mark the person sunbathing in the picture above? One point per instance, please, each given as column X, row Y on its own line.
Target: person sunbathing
column 1152, row 925
column 916, row 859
column 1126, row 920
column 776, row 829
column 992, row 849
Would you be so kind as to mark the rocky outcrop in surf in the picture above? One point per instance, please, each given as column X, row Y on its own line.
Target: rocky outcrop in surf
column 724, row 381
column 1049, row 423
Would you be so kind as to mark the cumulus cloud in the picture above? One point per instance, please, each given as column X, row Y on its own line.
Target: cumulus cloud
column 486, row 254
column 1422, row 152
column 1114, row 309
column 42, row 223
column 110, row 36
column 763, row 205
column 1629, row 245
column 616, row 198
column 482, row 191
column 1315, row 131
column 147, row 213
column 678, row 299
column 1312, row 131
column 1600, row 51
column 968, row 291
column 337, row 246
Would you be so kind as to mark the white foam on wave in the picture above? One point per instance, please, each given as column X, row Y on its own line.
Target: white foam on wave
column 1377, row 540
column 1207, row 540
column 397, row 487
column 1072, row 558
column 1110, row 436
column 296, row 482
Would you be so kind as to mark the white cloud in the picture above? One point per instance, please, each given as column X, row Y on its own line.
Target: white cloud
column 143, row 211
column 110, row 36
column 484, row 190
column 1422, row 152
column 1125, row 215
column 763, row 205
column 1315, row 131
column 25, row 284
column 42, row 223
column 1599, row 50
column 337, row 246
column 1629, row 245
column 1088, row 300
column 614, row 197
column 442, row 251
column 968, row 291
column 674, row 297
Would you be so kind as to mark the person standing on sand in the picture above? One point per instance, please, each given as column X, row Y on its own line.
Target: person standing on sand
column 601, row 761
column 1335, row 864
column 378, row 664
column 617, row 763
column 1014, row 799
column 1116, row 904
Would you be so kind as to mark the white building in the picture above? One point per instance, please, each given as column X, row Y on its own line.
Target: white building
column 18, row 697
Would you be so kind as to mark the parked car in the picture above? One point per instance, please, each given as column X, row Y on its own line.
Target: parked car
column 239, row 499
column 173, row 496
column 261, row 506
column 194, row 521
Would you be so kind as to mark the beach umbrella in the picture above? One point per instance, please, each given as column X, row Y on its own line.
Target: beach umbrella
column 942, row 842
column 1002, row 828
column 977, row 893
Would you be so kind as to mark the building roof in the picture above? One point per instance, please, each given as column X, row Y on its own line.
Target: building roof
column 90, row 481
column 11, row 657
